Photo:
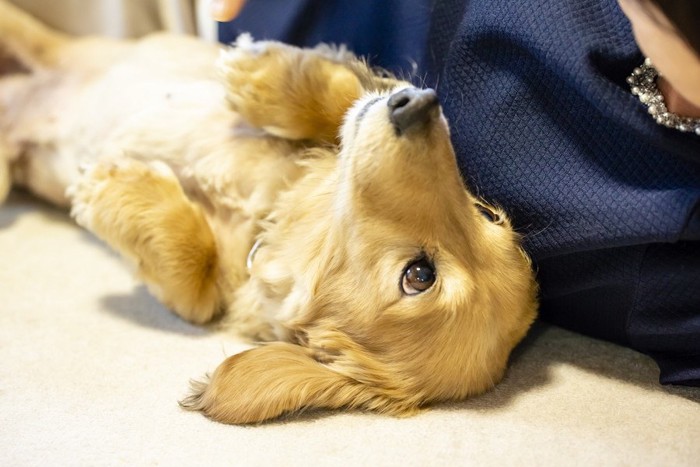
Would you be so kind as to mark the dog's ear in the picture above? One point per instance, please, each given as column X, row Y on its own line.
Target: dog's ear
column 276, row 379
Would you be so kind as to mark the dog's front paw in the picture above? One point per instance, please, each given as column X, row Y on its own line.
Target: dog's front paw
column 255, row 75
column 288, row 92
column 109, row 185
column 140, row 210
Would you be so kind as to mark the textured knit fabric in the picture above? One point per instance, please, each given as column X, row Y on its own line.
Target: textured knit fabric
column 544, row 125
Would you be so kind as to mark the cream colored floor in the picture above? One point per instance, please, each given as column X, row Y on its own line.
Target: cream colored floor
column 91, row 368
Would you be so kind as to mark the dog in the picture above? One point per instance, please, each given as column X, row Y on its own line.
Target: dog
column 296, row 195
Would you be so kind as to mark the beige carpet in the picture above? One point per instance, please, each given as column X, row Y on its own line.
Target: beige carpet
column 91, row 368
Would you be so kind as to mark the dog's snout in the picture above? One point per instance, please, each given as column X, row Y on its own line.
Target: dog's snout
column 411, row 108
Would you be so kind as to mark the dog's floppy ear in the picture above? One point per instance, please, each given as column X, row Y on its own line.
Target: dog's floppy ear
column 279, row 378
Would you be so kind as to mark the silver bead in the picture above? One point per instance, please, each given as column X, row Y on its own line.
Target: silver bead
column 642, row 83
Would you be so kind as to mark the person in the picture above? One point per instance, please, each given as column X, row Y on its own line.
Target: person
column 673, row 50
column 608, row 199
column 593, row 150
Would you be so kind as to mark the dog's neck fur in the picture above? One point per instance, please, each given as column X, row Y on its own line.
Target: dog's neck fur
column 275, row 289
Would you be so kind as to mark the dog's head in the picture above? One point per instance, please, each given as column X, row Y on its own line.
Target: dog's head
column 395, row 285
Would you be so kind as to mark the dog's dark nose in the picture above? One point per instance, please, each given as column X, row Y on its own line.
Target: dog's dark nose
column 411, row 108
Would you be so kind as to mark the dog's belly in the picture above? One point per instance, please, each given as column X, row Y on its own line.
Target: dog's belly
column 158, row 99
column 155, row 99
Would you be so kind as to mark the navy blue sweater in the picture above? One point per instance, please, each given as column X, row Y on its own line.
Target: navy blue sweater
column 543, row 124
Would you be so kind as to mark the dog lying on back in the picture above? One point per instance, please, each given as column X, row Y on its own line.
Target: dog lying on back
column 311, row 202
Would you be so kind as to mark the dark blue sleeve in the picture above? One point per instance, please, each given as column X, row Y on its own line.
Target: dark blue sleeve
column 391, row 33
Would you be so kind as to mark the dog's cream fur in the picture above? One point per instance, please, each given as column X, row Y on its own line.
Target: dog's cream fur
column 180, row 165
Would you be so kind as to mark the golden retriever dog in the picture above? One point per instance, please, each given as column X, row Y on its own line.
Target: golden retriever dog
column 295, row 194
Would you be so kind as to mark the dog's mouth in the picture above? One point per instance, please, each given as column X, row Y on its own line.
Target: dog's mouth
column 363, row 111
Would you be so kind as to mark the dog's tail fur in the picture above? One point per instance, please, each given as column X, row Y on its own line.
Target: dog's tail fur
column 25, row 43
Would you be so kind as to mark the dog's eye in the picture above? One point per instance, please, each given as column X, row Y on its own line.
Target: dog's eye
column 418, row 277
column 489, row 214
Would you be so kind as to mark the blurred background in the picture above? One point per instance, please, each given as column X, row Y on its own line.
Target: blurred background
column 124, row 18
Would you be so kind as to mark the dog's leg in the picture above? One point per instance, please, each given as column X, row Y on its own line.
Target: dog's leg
column 24, row 41
column 141, row 211
column 294, row 93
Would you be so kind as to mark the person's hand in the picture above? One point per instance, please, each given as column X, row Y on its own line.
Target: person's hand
column 225, row 10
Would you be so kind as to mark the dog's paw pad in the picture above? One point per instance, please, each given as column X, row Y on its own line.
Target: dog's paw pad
column 250, row 66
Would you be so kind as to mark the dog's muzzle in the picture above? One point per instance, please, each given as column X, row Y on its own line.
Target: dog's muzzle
column 412, row 108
